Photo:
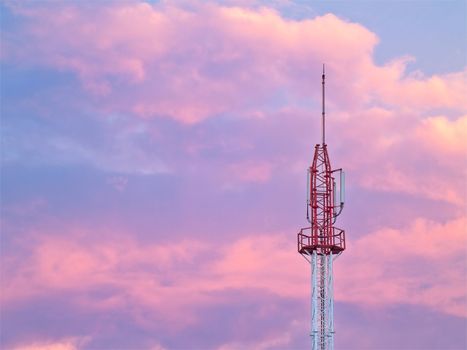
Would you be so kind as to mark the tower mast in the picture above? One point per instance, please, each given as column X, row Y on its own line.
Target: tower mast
column 322, row 242
column 323, row 113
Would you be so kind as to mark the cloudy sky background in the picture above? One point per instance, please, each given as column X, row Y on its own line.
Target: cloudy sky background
column 154, row 160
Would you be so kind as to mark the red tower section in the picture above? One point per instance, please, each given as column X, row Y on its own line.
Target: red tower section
column 322, row 202
column 324, row 207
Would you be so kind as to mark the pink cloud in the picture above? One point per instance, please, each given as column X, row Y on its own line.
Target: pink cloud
column 73, row 343
column 399, row 151
column 63, row 344
column 248, row 262
column 168, row 279
column 136, row 59
column 389, row 84
column 161, row 60
column 443, row 136
column 193, row 64
column 419, row 265
column 78, row 263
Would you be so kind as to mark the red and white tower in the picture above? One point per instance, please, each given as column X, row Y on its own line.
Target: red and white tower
column 322, row 242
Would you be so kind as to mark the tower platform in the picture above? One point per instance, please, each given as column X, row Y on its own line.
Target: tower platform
column 324, row 244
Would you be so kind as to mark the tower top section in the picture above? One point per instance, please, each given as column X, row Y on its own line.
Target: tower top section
column 323, row 106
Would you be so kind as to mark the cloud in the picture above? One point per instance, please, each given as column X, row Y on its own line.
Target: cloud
column 280, row 341
column 423, row 264
column 403, row 152
column 444, row 137
column 192, row 63
column 153, row 274
column 203, row 61
column 64, row 344
column 197, row 63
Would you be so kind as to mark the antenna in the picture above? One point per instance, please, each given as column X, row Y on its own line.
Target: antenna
column 323, row 113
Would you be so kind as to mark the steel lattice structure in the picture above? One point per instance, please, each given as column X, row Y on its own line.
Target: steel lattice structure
column 322, row 242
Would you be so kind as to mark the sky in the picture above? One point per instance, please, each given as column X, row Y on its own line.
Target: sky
column 153, row 172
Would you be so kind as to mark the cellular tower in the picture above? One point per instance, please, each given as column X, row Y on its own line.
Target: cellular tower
column 321, row 243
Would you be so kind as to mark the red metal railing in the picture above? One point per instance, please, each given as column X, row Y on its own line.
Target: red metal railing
column 325, row 244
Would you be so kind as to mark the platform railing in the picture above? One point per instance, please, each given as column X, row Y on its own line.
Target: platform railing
column 310, row 242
